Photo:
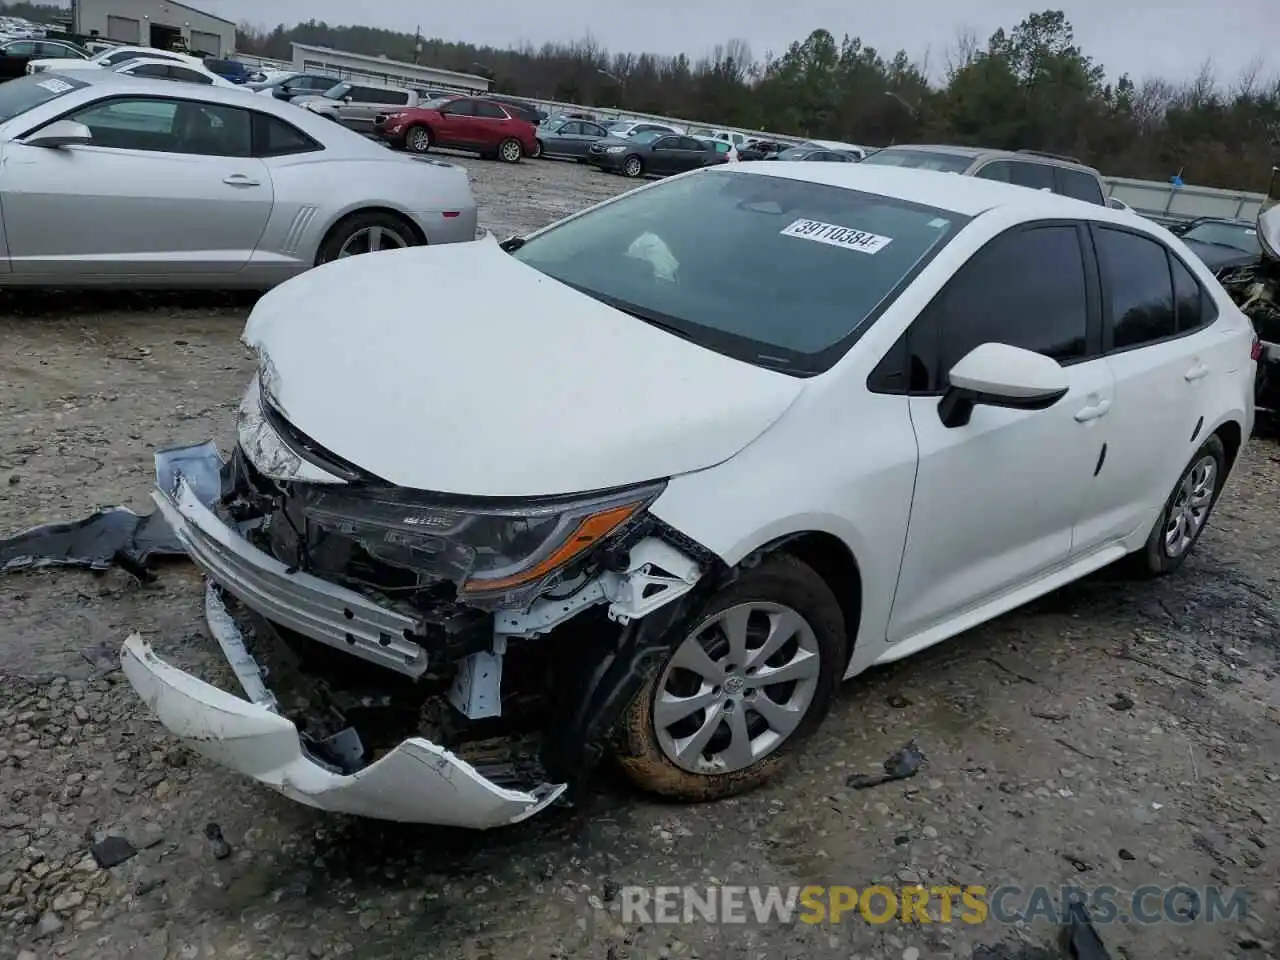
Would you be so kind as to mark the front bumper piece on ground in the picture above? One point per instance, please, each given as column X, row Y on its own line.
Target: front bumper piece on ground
column 417, row 782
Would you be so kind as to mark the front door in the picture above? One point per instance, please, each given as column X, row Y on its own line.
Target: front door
column 996, row 500
column 168, row 187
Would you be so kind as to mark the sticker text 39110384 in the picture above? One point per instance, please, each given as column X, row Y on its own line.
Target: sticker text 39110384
column 833, row 234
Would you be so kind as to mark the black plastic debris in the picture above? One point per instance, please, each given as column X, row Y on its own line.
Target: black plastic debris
column 112, row 851
column 1121, row 702
column 901, row 765
column 1080, row 939
column 218, row 845
column 116, row 536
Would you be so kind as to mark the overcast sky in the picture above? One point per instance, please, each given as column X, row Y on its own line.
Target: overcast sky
column 1142, row 37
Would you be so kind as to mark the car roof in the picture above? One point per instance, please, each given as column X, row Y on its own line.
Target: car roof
column 973, row 153
column 968, row 196
column 108, row 82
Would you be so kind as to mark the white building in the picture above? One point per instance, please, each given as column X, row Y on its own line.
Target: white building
column 154, row 23
column 359, row 66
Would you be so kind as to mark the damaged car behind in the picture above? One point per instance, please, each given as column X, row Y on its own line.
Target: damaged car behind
column 774, row 424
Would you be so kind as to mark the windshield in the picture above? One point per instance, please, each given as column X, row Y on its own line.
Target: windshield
column 1239, row 236
column 777, row 272
column 337, row 92
column 796, row 153
column 25, row 93
column 435, row 104
column 646, row 136
column 921, row 160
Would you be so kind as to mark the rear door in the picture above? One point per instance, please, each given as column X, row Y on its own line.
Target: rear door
column 491, row 125
column 1168, row 357
column 167, row 188
column 457, row 126
column 665, row 156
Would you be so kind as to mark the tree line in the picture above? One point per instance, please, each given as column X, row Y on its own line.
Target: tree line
column 1030, row 86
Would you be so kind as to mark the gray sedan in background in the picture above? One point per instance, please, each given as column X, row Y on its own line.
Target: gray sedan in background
column 117, row 181
column 567, row 139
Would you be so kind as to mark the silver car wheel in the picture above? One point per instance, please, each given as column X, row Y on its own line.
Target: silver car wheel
column 632, row 167
column 372, row 240
column 1190, row 506
column 736, row 688
column 511, row 151
column 419, row 140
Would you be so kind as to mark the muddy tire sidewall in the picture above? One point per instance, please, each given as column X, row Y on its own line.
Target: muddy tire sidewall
column 779, row 579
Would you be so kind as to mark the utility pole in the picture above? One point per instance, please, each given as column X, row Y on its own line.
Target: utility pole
column 417, row 43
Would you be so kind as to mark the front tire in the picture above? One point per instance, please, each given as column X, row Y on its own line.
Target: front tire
column 633, row 167
column 537, row 150
column 1186, row 512
column 418, row 140
column 753, row 679
column 510, row 151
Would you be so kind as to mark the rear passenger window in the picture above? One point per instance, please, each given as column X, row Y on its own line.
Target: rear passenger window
column 1001, row 170
column 1026, row 288
column 1080, row 185
column 1195, row 308
column 1037, row 176
column 1137, row 288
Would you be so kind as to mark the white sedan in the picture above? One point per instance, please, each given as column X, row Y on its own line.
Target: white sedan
column 155, row 68
column 113, row 57
column 775, row 423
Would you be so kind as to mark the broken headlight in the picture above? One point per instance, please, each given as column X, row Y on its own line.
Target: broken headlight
column 499, row 554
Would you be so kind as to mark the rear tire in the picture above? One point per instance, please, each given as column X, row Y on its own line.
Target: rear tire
column 355, row 234
column 656, row 746
column 1185, row 513
column 510, row 151
column 417, row 139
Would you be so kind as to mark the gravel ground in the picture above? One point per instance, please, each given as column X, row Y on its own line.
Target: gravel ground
column 1113, row 733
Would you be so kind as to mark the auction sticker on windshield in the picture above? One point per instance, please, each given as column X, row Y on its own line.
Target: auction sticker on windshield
column 55, row 86
column 836, row 236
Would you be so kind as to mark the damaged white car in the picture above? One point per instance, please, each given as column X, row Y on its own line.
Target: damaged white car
column 698, row 453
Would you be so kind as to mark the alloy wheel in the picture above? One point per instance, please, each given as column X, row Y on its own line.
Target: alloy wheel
column 736, row 688
column 1190, row 506
column 419, row 140
column 632, row 168
column 511, row 151
column 372, row 240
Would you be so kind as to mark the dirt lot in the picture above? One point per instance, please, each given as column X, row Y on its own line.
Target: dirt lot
column 1114, row 733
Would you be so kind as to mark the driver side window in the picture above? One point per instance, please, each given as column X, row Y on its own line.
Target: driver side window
column 1026, row 288
column 168, row 126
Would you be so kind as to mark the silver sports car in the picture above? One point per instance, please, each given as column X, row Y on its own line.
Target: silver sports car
column 108, row 180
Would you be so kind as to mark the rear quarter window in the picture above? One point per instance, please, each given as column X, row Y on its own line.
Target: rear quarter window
column 1081, row 186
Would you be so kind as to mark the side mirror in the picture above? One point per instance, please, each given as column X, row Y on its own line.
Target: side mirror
column 60, row 133
column 347, row 98
column 998, row 375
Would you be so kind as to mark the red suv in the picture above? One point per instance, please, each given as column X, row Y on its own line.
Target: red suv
column 463, row 123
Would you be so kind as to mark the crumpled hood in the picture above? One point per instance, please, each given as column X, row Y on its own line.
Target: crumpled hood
column 458, row 369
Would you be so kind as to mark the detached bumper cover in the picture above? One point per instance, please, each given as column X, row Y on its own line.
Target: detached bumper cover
column 417, row 782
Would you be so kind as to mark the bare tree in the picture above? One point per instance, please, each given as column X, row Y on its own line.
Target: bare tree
column 1249, row 81
column 962, row 53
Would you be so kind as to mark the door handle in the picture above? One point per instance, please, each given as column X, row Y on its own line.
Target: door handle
column 240, row 180
column 1197, row 372
column 1093, row 411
